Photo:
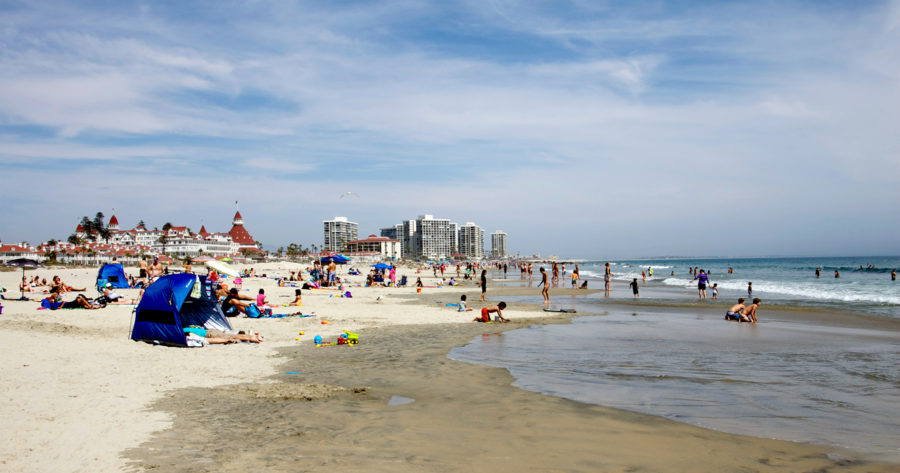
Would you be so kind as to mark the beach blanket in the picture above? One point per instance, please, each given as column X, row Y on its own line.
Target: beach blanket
column 281, row 316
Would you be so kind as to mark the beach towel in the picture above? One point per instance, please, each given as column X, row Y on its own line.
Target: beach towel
column 281, row 316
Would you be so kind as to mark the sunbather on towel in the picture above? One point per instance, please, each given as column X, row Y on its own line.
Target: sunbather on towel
column 220, row 337
column 80, row 301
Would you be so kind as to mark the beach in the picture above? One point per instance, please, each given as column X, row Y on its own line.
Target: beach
column 79, row 395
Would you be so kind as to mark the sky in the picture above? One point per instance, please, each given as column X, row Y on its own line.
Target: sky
column 584, row 129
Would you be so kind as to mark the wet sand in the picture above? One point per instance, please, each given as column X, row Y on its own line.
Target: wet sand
column 335, row 413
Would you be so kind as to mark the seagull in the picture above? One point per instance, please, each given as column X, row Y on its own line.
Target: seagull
column 348, row 194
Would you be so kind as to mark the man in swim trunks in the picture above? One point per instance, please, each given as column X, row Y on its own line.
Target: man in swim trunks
column 487, row 311
column 734, row 313
column 546, row 290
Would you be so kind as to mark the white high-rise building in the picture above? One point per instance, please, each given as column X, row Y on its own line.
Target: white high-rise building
column 471, row 240
column 498, row 244
column 454, row 232
column 338, row 233
column 432, row 238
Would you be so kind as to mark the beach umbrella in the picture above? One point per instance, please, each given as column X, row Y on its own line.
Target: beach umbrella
column 226, row 259
column 222, row 268
column 24, row 263
column 338, row 259
column 381, row 266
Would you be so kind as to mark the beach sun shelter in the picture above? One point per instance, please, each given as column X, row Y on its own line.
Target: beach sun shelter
column 113, row 274
column 174, row 302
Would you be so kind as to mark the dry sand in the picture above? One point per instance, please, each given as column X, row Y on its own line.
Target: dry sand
column 79, row 395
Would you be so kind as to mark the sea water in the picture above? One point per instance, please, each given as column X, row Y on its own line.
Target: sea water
column 789, row 381
column 785, row 281
column 778, row 379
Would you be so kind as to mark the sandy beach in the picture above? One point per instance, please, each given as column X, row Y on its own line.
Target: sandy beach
column 79, row 395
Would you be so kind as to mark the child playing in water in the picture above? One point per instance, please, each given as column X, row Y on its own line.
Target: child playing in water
column 634, row 288
column 715, row 291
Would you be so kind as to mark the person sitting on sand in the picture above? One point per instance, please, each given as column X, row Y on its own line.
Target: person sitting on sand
column 461, row 307
column 583, row 285
column 487, row 311
column 232, row 305
column 111, row 297
column 749, row 314
column 736, row 311
column 24, row 286
column 261, row 298
column 63, row 287
column 212, row 336
column 298, row 300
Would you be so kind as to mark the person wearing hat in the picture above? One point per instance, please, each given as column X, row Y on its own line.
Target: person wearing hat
column 111, row 297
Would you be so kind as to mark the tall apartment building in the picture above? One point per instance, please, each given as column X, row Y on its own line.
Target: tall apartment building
column 454, row 232
column 407, row 237
column 498, row 244
column 471, row 240
column 433, row 238
column 338, row 233
column 393, row 232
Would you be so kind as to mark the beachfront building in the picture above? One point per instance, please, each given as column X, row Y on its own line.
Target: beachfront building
column 407, row 237
column 454, row 234
column 338, row 232
column 128, row 245
column 498, row 245
column 471, row 241
column 22, row 250
column 374, row 248
column 433, row 238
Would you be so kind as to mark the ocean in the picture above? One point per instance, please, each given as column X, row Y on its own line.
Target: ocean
column 782, row 378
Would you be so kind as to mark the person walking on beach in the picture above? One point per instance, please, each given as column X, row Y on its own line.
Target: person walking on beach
column 575, row 277
column 555, row 272
column 546, row 288
column 634, row 288
column 749, row 289
column 483, row 283
column 701, row 285
column 715, row 291
column 607, row 277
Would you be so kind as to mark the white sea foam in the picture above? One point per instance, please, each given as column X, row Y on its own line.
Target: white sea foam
column 799, row 290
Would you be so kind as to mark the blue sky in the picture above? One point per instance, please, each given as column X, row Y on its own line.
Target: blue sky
column 581, row 128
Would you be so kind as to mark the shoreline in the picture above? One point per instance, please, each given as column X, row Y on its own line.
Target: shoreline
column 474, row 407
column 75, row 372
column 464, row 417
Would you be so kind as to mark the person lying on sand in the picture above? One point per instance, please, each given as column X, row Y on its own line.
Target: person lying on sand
column 219, row 337
column 487, row 311
column 80, row 301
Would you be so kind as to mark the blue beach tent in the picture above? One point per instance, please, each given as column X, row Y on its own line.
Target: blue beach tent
column 113, row 274
column 173, row 302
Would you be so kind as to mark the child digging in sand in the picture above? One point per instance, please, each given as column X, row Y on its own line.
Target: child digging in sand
column 487, row 311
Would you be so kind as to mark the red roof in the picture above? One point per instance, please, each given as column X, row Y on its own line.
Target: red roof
column 13, row 248
column 79, row 228
column 372, row 239
column 237, row 216
column 203, row 230
column 113, row 220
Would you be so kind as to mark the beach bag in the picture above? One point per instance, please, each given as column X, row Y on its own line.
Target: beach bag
column 253, row 311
